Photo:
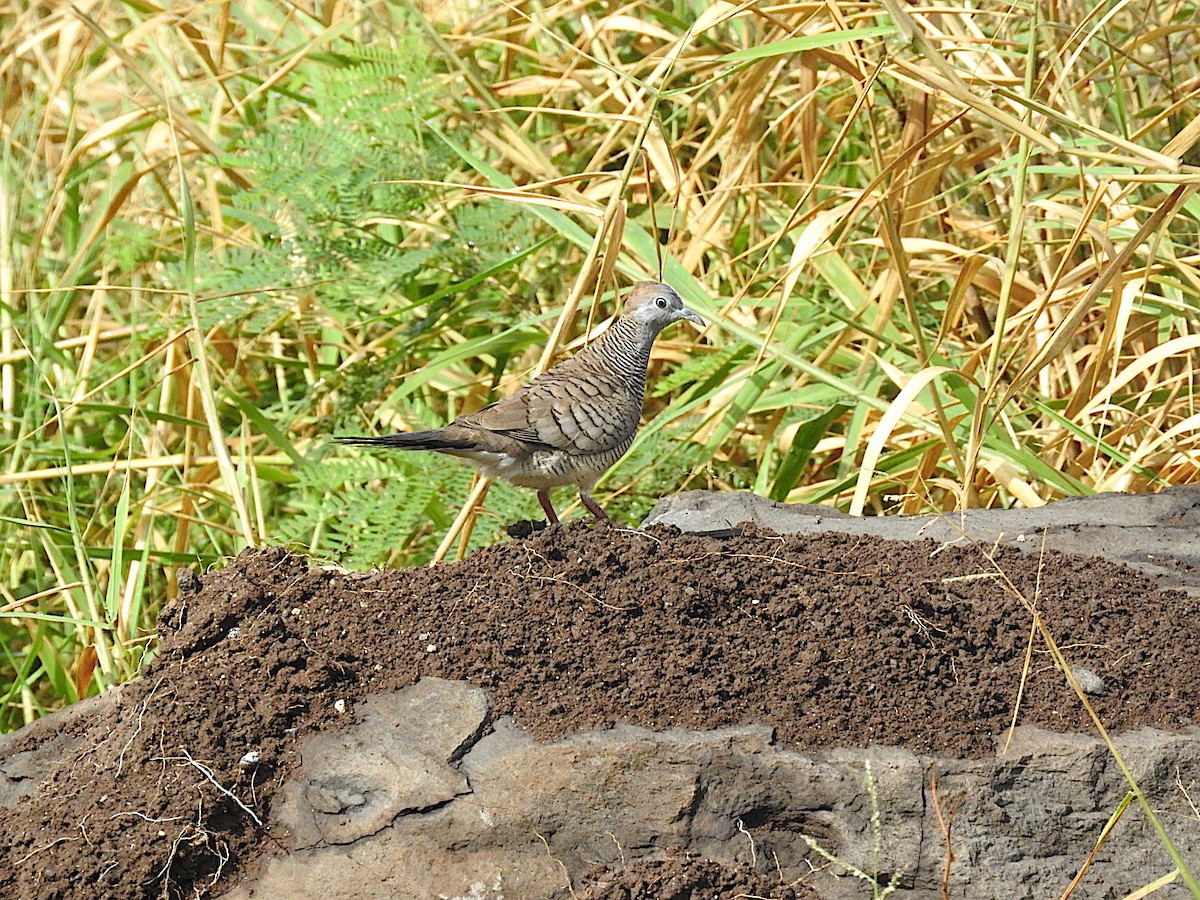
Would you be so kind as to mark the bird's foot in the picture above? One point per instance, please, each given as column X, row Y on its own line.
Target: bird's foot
column 602, row 518
column 547, row 507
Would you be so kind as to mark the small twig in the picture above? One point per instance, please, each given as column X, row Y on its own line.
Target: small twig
column 753, row 850
column 37, row 850
column 142, row 815
column 207, row 773
column 765, row 558
column 1186, row 796
column 945, row 820
column 620, row 849
column 138, row 730
column 924, row 626
column 530, row 574
column 550, row 853
column 560, row 580
column 1025, row 670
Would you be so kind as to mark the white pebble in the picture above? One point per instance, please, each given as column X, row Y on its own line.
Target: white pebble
column 1088, row 680
column 250, row 759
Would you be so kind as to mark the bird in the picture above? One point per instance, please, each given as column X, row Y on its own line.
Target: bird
column 568, row 425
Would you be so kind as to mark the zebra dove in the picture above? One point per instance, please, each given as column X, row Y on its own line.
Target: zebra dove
column 569, row 424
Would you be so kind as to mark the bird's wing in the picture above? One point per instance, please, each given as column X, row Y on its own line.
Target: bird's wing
column 509, row 416
column 565, row 409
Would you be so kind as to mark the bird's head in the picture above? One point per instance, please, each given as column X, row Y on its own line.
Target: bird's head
column 657, row 305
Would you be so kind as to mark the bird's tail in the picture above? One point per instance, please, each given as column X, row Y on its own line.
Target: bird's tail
column 412, row 440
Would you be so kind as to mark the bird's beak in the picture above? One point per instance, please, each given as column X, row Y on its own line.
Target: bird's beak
column 691, row 317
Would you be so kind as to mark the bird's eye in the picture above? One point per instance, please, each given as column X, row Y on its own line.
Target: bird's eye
column 662, row 302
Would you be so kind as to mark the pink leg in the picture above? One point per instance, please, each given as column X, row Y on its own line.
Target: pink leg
column 594, row 508
column 544, row 499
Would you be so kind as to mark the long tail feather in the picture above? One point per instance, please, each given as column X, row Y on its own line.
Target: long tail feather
column 414, row 440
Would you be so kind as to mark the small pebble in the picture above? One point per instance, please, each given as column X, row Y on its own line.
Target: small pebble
column 1088, row 680
column 188, row 582
column 250, row 759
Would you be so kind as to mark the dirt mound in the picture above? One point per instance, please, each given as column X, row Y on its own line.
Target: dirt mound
column 832, row 640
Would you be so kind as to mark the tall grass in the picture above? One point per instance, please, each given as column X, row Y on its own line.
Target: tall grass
column 949, row 255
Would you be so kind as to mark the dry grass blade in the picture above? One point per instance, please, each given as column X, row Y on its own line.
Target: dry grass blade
column 1068, row 328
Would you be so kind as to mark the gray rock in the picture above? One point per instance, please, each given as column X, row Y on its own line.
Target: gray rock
column 1089, row 681
column 392, row 762
column 1158, row 534
column 50, row 740
column 535, row 816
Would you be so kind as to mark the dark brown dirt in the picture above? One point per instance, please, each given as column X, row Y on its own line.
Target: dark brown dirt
column 833, row 640
column 684, row 877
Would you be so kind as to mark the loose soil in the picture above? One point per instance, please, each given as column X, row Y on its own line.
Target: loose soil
column 684, row 877
column 833, row 640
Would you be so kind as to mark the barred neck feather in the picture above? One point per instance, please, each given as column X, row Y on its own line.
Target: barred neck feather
column 624, row 349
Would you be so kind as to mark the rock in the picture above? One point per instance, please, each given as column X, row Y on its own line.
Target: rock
column 392, row 762
column 1156, row 533
column 189, row 582
column 31, row 754
column 520, row 818
column 1089, row 681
